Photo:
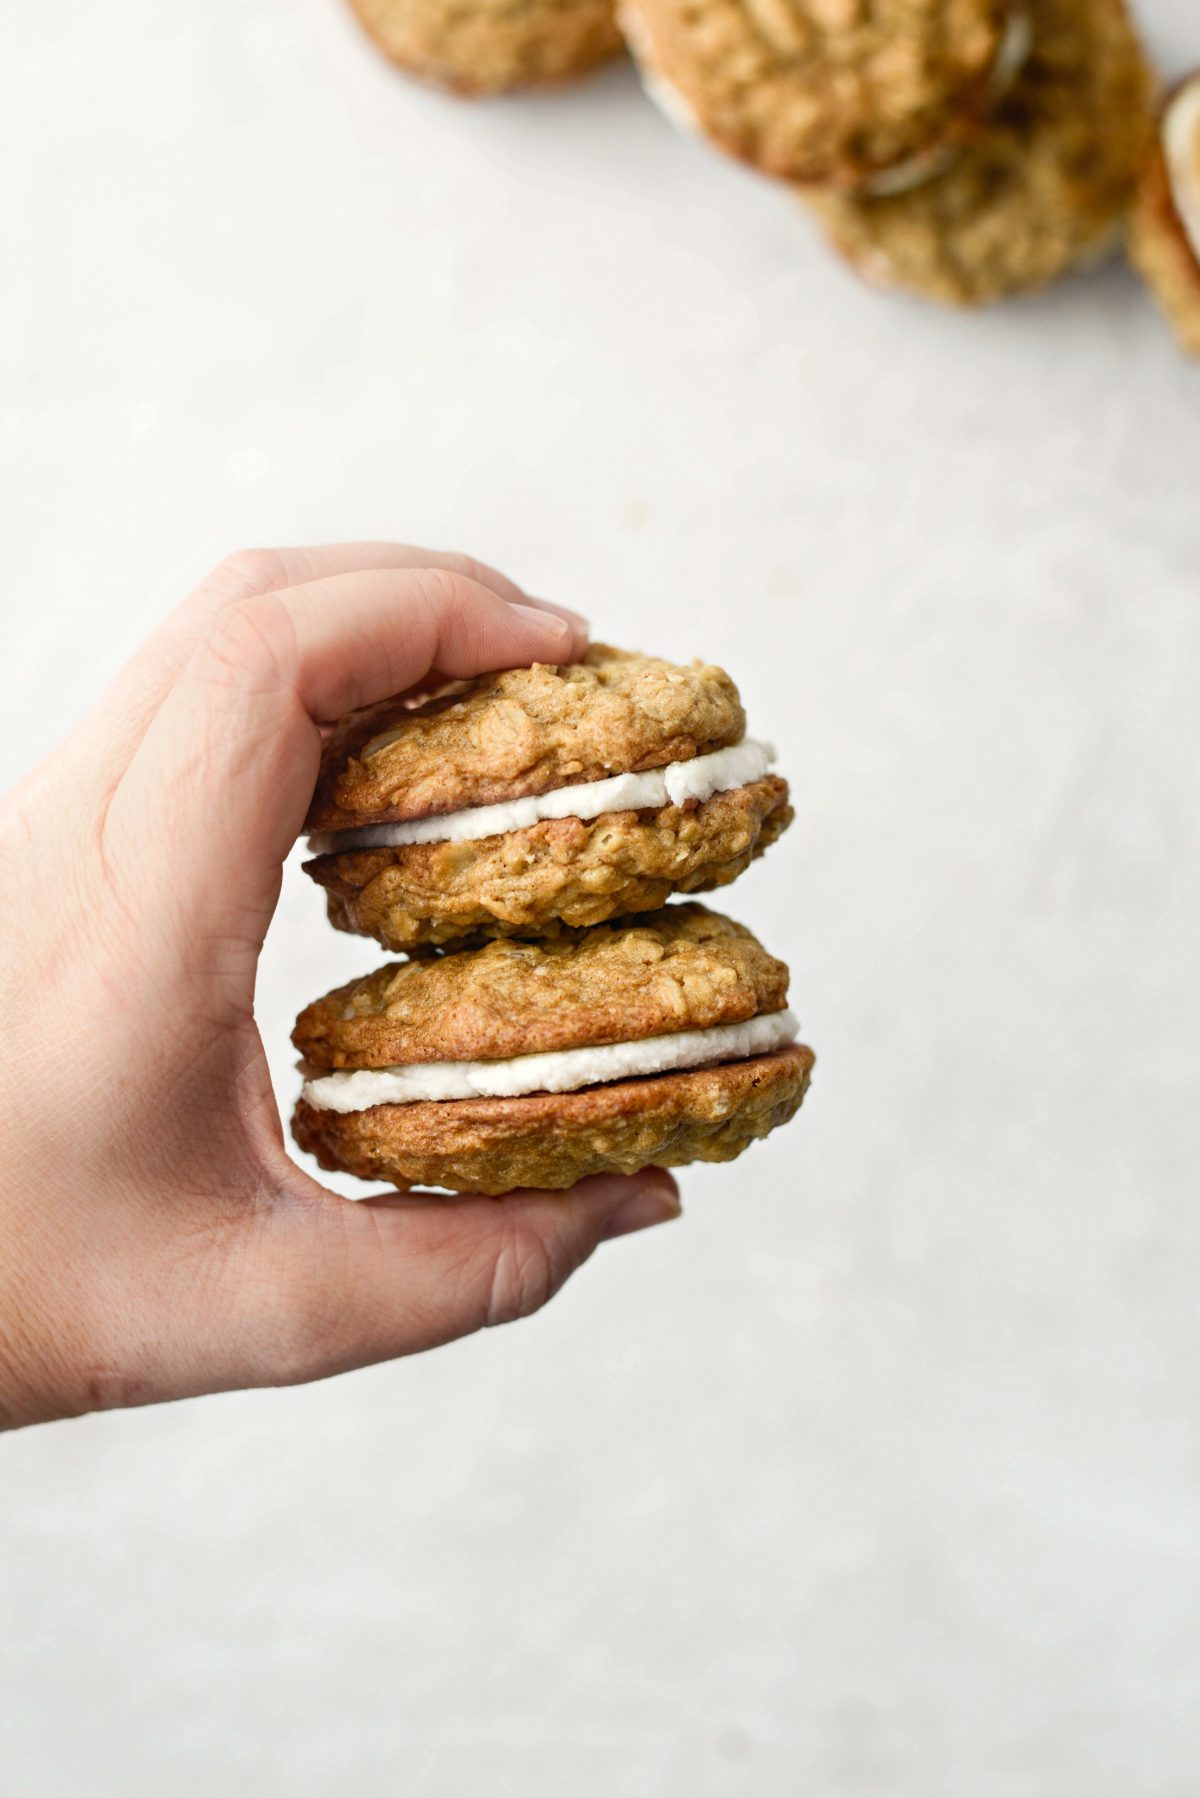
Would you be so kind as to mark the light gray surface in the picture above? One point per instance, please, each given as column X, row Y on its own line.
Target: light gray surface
column 879, row 1476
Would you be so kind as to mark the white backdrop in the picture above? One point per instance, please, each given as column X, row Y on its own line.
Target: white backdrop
column 878, row 1476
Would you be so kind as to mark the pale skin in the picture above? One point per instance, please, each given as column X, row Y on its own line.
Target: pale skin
column 156, row 1239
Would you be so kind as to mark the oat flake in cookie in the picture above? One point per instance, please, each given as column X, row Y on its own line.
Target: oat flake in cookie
column 489, row 46
column 541, row 798
column 1165, row 235
column 654, row 1042
column 844, row 92
column 1045, row 188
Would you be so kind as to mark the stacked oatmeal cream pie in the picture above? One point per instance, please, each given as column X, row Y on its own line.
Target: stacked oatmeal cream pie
column 517, row 838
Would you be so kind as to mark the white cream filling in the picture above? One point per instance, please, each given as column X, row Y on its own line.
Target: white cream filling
column 678, row 109
column 1015, row 45
column 675, row 107
column 914, row 171
column 1181, row 147
column 558, row 1071
column 698, row 779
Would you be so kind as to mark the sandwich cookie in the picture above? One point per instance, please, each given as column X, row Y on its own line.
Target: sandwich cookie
column 489, row 46
column 849, row 93
column 653, row 1042
column 1165, row 231
column 540, row 798
column 1044, row 188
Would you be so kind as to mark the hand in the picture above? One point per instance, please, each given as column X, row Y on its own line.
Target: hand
column 155, row 1239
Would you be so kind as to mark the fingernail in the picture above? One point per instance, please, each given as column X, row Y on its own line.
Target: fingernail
column 551, row 627
column 571, row 616
column 656, row 1203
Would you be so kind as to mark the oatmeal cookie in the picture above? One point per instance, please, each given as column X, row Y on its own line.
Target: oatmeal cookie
column 551, row 1140
column 570, row 871
column 522, row 732
column 1045, row 188
column 655, row 1041
column 844, row 92
column 490, row 46
column 540, row 797
column 682, row 968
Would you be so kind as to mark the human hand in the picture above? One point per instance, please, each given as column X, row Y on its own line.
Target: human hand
column 156, row 1241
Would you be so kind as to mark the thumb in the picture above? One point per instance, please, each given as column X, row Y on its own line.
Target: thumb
column 360, row 1281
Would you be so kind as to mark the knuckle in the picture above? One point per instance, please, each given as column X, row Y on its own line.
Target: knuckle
column 449, row 593
column 249, row 573
column 301, row 1345
column 250, row 646
column 525, row 1275
column 467, row 568
column 297, row 1321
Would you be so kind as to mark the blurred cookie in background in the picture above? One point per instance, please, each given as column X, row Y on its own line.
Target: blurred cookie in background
column 1165, row 233
column 491, row 46
column 1045, row 188
column 845, row 92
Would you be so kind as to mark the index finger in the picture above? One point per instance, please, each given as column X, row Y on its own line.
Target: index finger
column 218, row 788
column 111, row 735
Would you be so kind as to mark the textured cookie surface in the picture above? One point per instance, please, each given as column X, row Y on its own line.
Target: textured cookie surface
column 1161, row 246
column 552, row 1140
column 1044, row 188
column 487, row 46
column 522, row 732
column 561, row 871
column 683, row 968
column 835, row 91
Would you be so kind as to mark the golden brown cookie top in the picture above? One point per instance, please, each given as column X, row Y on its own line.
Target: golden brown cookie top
column 1046, row 186
column 520, row 732
column 682, row 968
column 491, row 46
column 837, row 91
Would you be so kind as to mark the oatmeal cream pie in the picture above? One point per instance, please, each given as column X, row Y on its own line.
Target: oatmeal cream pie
column 489, row 46
column 540, row 798
column 1045, row 188
column 1165, row 233
column 850, row 93
column 657, row 1041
